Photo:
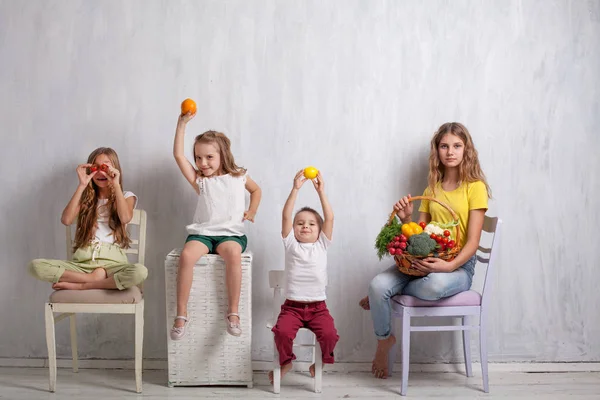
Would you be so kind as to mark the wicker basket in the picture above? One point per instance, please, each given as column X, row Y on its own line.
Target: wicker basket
column 405, row 260
column 207, row 355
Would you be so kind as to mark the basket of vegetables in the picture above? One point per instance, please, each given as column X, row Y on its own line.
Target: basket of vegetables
column 412, row 241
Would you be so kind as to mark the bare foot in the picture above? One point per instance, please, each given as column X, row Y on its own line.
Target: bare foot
column 364, row 303
column 311, row 370
column 380, row 362
column 98, row 274
column 67, row 286
column 284, row 370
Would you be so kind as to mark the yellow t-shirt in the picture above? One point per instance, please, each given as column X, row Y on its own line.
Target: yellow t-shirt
column 468, row 196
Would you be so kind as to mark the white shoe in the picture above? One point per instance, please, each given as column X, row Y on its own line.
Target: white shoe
column 233, row 328
column 178, row 333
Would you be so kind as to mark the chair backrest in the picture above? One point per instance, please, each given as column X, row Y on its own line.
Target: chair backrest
column 138, row 246
column 487, row 255
column 276, row 282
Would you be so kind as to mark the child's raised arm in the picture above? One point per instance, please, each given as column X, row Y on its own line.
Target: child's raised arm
column 71, row 211
column 286, row 218
column 187, row 169
column 124, row 206
column 327, row 210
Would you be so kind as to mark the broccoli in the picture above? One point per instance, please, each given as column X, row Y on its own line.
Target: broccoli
column 421, row 244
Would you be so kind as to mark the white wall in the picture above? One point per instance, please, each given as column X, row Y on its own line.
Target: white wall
column 354, row 87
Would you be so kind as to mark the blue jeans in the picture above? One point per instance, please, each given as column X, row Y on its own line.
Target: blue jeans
column 434, row 286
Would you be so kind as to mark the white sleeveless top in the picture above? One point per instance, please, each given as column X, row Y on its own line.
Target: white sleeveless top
column 103, row 231
column 221, row 206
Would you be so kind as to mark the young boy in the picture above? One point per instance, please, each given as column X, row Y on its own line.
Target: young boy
column 306, row 238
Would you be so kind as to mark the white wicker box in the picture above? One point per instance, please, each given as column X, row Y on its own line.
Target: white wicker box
column 208, row 355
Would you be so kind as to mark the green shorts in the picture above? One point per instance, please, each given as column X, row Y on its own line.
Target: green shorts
column 212, row 242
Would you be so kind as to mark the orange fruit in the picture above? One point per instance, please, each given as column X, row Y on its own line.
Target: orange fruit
column 188, row 105
column 310, row 172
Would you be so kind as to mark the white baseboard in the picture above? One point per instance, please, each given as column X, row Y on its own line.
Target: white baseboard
column 161, row 364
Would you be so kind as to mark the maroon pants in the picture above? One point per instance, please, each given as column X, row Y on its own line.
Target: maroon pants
column 314, row 316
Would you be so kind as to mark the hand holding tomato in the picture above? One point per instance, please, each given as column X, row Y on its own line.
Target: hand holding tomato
column 84, row 177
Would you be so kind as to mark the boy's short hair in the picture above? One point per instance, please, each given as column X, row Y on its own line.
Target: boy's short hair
column 315, row 213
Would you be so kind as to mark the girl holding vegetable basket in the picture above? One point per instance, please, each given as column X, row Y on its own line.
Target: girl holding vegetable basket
column 436, row 256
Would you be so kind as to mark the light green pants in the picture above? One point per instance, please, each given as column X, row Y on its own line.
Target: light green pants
column 108, row 256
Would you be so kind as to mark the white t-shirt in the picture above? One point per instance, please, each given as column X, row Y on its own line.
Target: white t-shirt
column 221, row 206
column 305, row 268
column 103, row 231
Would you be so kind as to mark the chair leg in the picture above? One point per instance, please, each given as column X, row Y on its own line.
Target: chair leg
column 276, row 370
column 466, row 334
column 405, row 346
column 318, row 356
column 483, row 353
column 73, row 323
column 393, row 350
column 51, row 343
column 139, row 345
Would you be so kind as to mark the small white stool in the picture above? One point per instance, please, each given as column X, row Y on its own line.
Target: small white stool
column 276, row 282
column 207, row 354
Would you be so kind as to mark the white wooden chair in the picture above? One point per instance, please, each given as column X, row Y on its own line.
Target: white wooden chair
column 276, row 282
column 465, row 305
column 129, row 301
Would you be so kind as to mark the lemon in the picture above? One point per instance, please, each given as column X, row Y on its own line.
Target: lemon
column 310, row 172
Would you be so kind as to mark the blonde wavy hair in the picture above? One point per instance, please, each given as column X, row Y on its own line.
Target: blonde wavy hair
column 223, row 143
column 88, row 207
column 469, row 169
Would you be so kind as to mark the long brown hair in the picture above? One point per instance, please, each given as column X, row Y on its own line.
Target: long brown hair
column 88, row 207
column 469, row 169
column 228, row 165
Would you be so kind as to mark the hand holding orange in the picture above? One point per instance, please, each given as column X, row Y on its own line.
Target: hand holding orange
column 310, row 172
column 188, row 106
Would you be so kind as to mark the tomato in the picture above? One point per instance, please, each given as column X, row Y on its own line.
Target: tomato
column 390, row 244
column 432, row 236
column 442, row 247
column 93, row 168
column 104, row 168
column 403, row 245
column 438, row 238
column 392, row 251
column 403, row 239
column 450, row 244
column 446, row 232
column 396, row 244
column 422, row 224
column 398, row 251
column 397, row 239
column 445, row 240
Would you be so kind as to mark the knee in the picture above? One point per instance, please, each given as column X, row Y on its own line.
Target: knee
column 379, row 288
column 283, row 334
column 187, row 259
column 35, row 267
column 329, row 337
column 434, row 287
column 140, row 273
column 232, row 257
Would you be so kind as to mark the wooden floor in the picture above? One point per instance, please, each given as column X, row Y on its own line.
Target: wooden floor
column 32, row 383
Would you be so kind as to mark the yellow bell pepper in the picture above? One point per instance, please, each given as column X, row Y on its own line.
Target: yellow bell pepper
column 412, row 228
